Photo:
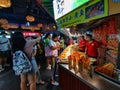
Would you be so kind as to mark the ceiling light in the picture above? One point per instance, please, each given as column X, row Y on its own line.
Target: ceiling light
column 5, row 3
column 30, row 18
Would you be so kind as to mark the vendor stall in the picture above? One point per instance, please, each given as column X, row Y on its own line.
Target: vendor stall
column 103, row 23
column 78, row 73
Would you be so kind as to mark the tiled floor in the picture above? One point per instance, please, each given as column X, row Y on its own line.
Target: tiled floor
column 8, row 81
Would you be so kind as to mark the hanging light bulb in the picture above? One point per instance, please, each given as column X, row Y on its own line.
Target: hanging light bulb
column 5, row 3
column 30, row 18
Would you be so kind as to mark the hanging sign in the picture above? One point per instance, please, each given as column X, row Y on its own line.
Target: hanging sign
column 94, row 10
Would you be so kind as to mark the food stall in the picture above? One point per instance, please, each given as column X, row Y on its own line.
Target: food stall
column 78, row 73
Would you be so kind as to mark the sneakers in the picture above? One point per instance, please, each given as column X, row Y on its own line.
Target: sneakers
column 55, row 83
column 41, row 82
column 49, row 67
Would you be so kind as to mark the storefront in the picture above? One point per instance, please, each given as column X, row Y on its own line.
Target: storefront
column 102, row 19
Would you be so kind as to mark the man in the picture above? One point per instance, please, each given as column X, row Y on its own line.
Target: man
column 91, row 48
column 82, row 44
column 4, row 50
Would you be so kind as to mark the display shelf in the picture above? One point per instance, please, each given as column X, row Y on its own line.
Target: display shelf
column 109, row 78
column 71, row 81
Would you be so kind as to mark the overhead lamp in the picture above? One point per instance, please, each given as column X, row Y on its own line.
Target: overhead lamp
column 5, row 26
column 3, row 21
column 30, row 18
column 54, row 27
column 5, row 3
column 39, row 25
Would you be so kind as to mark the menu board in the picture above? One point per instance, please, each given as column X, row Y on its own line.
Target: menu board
column 95, row 9
column 112, row 48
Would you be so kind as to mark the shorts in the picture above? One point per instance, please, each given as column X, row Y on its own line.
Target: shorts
column 34, row 66
column 4, row 54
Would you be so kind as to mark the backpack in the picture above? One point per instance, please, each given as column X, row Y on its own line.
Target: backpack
column 21, row 63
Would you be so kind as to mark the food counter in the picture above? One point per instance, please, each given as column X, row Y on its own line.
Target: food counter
column 81, row 81
column 78, row 73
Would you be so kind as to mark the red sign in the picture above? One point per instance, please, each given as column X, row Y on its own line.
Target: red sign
column 31, row 33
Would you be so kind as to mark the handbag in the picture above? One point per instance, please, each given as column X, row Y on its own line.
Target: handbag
column 49, row 52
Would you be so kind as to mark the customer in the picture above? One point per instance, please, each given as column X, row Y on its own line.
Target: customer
column 46, row 45
column 91, row 47
column 4, row 50
column 40, row 56
column 62, row 41
column 54, row 45
column 70, row 41
column 82, row 44
column 19, row 43
column 34, row 52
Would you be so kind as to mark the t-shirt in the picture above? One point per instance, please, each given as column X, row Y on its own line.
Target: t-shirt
column 52, row 43
column 4, row 44
column 46, row 42
column 70, row 41
column 29, row 47
column 92, row 48
column 82, row 45
column 62, row 43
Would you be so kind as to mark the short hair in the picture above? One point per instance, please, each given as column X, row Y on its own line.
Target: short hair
column 48, row 34
column 54, row 35
column 89, row 35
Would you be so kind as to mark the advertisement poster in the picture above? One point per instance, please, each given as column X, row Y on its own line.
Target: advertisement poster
column 62, row 7
column 114, row 7
column 95, row 9
column 82, row 14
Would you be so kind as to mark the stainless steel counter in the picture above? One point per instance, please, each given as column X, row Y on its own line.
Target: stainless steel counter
column 96, row 83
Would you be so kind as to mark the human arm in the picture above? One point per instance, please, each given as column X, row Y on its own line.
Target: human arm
column 54, row 45
column 34, row 52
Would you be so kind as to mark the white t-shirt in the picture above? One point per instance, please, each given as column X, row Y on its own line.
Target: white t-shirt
column 52, row 43
column 4, row 44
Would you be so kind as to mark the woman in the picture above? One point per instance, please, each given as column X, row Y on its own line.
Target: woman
column 54, row 46
column 34, row 52
column 19, row 43
column 46, row 44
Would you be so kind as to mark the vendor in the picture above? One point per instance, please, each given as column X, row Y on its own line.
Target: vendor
column 82, row 44
column 91, row 47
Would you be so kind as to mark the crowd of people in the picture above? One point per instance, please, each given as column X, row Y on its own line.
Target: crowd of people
column 37, row 48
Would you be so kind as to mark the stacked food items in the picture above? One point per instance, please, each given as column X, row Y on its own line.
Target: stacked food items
column 66, row 52
column 107, row 69
column 78, row 61
column 112, row 48
column 101, row 34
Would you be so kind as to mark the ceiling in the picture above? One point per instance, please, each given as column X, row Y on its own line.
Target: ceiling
column 41, row 9
column 48, row 4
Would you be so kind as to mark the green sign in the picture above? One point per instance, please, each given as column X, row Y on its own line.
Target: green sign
column 94, row 10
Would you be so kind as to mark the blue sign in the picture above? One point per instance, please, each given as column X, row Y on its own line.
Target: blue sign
column 116, row 1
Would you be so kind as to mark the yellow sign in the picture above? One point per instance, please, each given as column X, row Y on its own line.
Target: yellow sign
column 114, row 7
column 94, row 10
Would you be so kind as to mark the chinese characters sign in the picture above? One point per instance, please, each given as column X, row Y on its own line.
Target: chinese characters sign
column 83, row 14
